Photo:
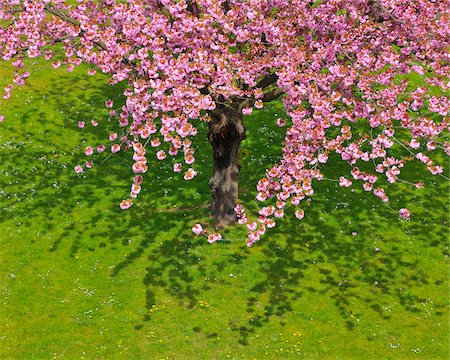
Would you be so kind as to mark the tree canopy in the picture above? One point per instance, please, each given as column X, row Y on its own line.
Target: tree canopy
column 341, row 69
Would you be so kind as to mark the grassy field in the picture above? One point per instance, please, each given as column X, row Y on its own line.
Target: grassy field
column 82, row 279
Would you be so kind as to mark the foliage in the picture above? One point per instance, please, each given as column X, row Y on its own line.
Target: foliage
column 336, row 64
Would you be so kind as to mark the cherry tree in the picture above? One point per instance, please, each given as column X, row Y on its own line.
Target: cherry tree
column 339, row 67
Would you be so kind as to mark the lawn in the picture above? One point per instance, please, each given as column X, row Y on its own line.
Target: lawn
column 82, row 279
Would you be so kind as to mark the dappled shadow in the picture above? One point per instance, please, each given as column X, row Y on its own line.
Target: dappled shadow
column 351, row 269
column 361, row 268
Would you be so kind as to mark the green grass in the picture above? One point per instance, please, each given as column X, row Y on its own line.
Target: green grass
column 82, row 279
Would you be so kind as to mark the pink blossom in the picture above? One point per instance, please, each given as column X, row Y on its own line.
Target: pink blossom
column 89, row 164
column 81, row 124
column 78, row 169
column 419, row 185
column 161, row 155
column 214, row 237
column 125, row 204
column 247, row 110
column 138, row 179
column 173, row 151
column 322, row 158
column 113, row 136
column 155, row 142
column 252, row 225
column 344, row 182
column 253, row 236
column 94, row 123
column 177, row 167
column 197, row 229
column 404, row 213
column 270, row 223
column 139, row 167
column 115, row 148
column 189, row 159
column 299, row 214
column 101, row 148
column 89, row 151
column 2, row 118
column 281, row 122
column 414, row 144
column 189, row 174
column 109, row 104
column 279, row 213
column 259, row 104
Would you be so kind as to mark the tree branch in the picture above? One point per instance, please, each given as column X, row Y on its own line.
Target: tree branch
column 272, row 95
column 267, row 81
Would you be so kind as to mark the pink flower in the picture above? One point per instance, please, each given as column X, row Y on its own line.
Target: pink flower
column 214, row 237
column 177, row 167
column 94, row 123
column 89, row 151
column 281, row 122
column 197, row 229
column 261, row 196
column 161, row 155
column 279, row 213
column 173, row 151
column 189, row 159
column 113, row 136
column 252, row 225
column 247, row 110
column 414, row 144
column 101, row 148
column 78, row 169
column 155, row 142
column 109, row 104
column 344, row 182
column 299, row 214
column 190, row 174
column 139, row 167
column 92, row 72
column 322, row 158
column 431, row 145
column 138, row 179
column 2, row 118
column 270, row 223
column 404, row 213
column 253, row 236
column 135, row 189
column 81, row 124
column 115, row 148
column 125, row 204
column 89, row 164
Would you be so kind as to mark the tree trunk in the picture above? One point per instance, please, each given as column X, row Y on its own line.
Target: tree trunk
column 226, row 131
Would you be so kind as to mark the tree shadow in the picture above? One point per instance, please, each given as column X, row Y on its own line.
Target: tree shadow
column 348, row 268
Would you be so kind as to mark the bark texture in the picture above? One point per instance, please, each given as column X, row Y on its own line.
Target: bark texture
column 226, row 131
